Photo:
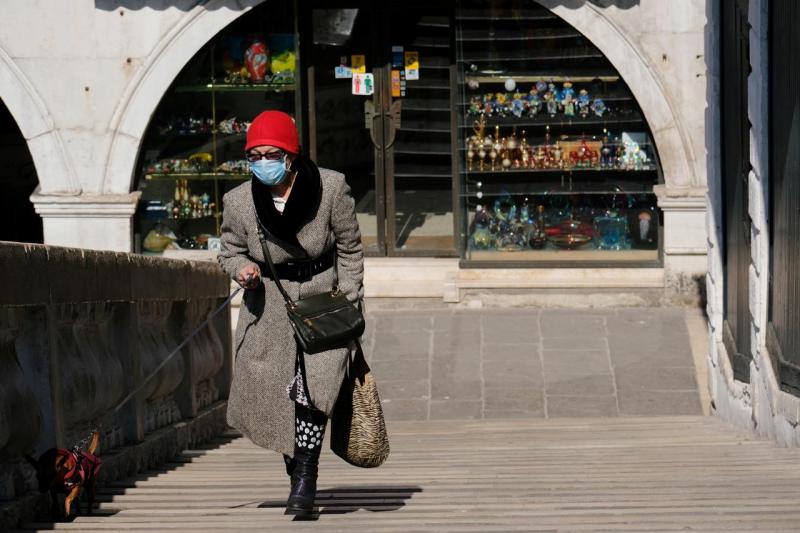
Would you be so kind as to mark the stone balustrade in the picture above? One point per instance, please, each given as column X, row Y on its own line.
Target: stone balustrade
column 79, row 330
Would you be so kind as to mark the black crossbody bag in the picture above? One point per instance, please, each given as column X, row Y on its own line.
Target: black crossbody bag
column 323, row 321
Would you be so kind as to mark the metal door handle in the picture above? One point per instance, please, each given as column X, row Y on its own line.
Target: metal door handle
column 393, row 116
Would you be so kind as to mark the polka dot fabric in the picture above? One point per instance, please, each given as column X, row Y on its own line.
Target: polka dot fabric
column 308, row 435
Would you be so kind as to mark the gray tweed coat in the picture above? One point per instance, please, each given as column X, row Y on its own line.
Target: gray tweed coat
column 264, row 342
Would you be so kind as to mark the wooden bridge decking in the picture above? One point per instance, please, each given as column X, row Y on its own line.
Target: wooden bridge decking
column 615, row 474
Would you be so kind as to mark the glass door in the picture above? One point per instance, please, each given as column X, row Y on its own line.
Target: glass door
column 379, row 94
column 340, row 135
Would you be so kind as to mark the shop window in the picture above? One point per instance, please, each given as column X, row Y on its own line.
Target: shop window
column 18, row 220
column 192, row 152
column 735, row 137
column 557, row 165
column 783, row 331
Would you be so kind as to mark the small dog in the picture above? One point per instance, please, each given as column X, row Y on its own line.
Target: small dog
column 62, row 471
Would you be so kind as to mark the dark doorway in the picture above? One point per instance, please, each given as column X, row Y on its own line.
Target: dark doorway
column 735, row 171
column 783, row 334
column 18, row 220
column 393, row 142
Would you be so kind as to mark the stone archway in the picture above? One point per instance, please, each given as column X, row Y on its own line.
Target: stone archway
column 669, row 133
column 144, row 92
column 54, row 169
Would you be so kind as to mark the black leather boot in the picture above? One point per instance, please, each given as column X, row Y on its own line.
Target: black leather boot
column 309, row 430
column 291, row 463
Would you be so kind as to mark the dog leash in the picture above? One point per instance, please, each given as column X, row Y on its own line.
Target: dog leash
column 161, row 365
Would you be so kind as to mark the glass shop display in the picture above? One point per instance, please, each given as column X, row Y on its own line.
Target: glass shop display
column 556, row 160
column 250, row 60
column 192, row 152
column 509, row 152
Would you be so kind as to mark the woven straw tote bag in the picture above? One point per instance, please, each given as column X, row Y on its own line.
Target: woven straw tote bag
column 358, row 429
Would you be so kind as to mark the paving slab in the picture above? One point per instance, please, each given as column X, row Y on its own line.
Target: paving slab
column 501, row 363
column 581, row 406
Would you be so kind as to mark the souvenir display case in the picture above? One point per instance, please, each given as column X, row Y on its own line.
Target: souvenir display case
column 556, row 161
column 193, row 151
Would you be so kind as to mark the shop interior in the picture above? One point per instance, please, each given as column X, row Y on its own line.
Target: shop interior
column 489, row 131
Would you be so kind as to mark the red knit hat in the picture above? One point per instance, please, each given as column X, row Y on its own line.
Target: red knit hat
column 274, row 128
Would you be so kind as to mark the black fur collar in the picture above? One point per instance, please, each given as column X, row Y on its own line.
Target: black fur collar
column 301, row 206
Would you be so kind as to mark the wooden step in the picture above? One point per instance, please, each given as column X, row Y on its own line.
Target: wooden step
column 548, row 475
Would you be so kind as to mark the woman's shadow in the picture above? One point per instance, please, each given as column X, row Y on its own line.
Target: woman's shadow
column 352, row 498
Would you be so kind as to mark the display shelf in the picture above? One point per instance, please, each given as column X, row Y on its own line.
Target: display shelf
column 559, row 121
column 236, row 87
column 197, row 176
column 434, row 21
column 533, row 191
column 202, row 134
column 480, row 173
column 431, row 41
column 606, row 94
column 515, row 56
column 484, row 15
column 584, row 254
column 431, row 104
column 419, row 126
column 575, row 75
column 180, row 219
column 422, row 148
column 510, row 35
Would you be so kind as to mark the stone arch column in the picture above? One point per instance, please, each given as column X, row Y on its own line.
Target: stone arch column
column 682, row 196
column 144, row 92
column 104, row 219
column 675, row 150
column 53, row 167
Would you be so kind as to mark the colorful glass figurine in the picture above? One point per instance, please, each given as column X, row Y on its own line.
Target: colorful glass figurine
column 481, row 238
column 551, row 103
column 524, row 152
column 568, row 99
column 541, row 86
column 611, row 232
column 499, row 107
column 607, row 154
column 534, row 102
column 584, row 103
column 488, row 104
column 518, row 105
column 475, row 106
column 538, row 238
column 509, row 233
column 599, row 107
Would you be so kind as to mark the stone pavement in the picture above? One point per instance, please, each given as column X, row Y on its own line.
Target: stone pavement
column 512, row 363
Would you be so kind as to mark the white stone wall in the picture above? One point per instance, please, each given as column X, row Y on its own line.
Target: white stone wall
column 759, row 404
column 82, row 79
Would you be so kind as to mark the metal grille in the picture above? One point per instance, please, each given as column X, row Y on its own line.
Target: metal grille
column 784, row 99
column 735, row 169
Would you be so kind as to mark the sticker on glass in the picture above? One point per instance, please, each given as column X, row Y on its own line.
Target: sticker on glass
column 397, row 57
column 343, row 72
column 412, row 65
column 396, row 84
column 358, row 63
column 363, row 84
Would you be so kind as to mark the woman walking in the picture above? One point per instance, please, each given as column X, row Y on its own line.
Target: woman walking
column 279, row 399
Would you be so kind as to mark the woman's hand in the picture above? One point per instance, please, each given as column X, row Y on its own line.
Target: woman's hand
column 249, row 276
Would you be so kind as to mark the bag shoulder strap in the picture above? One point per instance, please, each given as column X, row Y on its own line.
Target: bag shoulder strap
column 268, row 258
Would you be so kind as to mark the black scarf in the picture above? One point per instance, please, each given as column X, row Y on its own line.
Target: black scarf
column 301, row 206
